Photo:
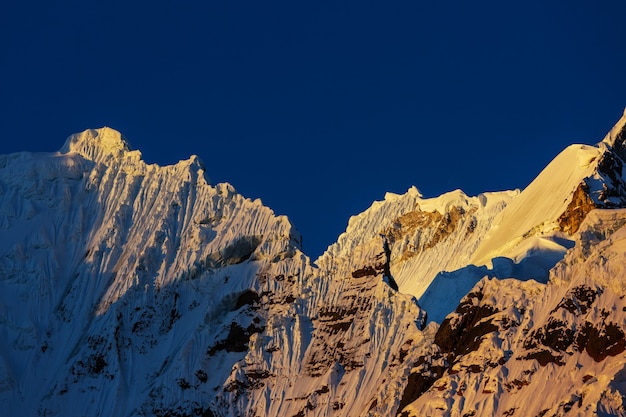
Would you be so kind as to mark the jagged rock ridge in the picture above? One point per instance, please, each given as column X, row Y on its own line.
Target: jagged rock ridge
column 130, row 289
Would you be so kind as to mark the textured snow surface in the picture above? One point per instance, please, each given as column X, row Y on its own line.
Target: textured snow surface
column 536, row 359
column 103, row 257
column 538, row 207
column 134, row 289
column 129, row 289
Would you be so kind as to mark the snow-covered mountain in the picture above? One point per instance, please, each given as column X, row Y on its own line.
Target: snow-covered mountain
column 129, row 289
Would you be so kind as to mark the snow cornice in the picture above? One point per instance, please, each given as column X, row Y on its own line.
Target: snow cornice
column 96, row 144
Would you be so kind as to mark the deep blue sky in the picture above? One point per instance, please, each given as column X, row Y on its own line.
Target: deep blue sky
column 319, row 108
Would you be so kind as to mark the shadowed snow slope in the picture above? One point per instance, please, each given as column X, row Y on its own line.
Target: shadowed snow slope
column 129, row 289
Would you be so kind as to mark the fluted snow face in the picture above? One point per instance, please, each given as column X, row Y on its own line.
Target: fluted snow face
column 113, row 269
column 129, row 289
column 424, row 237
column 134, row 289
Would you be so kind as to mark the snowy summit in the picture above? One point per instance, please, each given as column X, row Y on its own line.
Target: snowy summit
column 129, row 289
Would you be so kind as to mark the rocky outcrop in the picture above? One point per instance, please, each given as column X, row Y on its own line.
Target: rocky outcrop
column 580, row 205
column 132, row 289
column 429, row 229
column 508, row 337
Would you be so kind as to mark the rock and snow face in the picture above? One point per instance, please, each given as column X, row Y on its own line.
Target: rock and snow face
column 129, row 289
column 526, row 348
column 441, row 247
column 116, row 277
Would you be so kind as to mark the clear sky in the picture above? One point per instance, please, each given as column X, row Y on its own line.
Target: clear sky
column 320, row 107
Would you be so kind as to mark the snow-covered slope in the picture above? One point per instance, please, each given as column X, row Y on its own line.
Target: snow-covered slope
column 129, row 289
column 424, row 237
column 133, row 289
column 115, row 274
column 439, row 248
column 526, row 348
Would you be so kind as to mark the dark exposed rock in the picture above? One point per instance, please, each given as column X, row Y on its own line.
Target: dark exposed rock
column 252, row 379
column 183, row 383
column 373, row 405
column 464, row 333
column 515, row 384
column 323, row 390
column 420, row 380
column 556, row 334
column 600, row 342
column 387, row 265
column 506, row 323
column 202, row 376
column 94, row 365
column 168, row 321
column 409, row 222
column 382, row 266
column 447, row 225
column 247, row 297
column 404, row 352
column 330, row 315
column 338, row 405
column 348, row 311
column 578, row 300
column 367, row 271
column 237, row 252
column 613, row 195
column 237, row 339
column 509, row 412
column 577, row 210
column 475, row 369
column 204, row 413
column 611, row 166
column 471, row 226
column 467, row 303
column 340, row 326
column 544, row 357
column 442, row 226
column 256, row 375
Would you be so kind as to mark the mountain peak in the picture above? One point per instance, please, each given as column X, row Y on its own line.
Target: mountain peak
column 130, row 289
column 97, row 143
column 616, row 138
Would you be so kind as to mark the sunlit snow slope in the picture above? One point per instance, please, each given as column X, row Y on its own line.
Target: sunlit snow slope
column 129, row 289
column 134, row 289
